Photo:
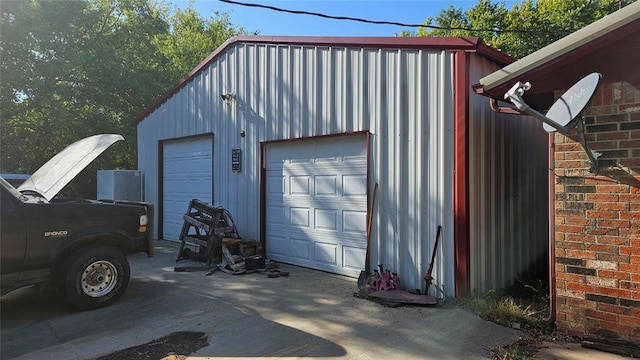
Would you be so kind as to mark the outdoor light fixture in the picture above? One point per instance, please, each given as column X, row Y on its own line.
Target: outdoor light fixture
column 565, row 113
column 228, row 97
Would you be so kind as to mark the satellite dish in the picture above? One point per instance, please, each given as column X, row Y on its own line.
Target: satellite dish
column 564, row 113
column 567, row 109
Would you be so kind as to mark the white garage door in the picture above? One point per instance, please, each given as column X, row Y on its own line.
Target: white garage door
column 187, row 174
column 317, row 203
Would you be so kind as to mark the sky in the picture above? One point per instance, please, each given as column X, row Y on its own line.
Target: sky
column 269, row 22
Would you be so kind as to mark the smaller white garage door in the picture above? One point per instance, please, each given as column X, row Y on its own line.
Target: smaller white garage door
column 317, row 203
column 187, row 174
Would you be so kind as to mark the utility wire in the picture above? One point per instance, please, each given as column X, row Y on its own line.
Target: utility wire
column 382, row 22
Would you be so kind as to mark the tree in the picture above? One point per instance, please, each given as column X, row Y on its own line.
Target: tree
column 194, row 38
column 71, row 69
column 523, row 29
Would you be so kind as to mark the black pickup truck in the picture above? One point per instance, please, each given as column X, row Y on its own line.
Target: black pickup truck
column 76, row 247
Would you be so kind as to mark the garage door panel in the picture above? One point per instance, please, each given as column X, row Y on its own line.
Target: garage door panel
column 299, row 217
column 354, row 185
column 278, row 246
column 301, row 249
column 326, row 253
column 277, row 215
column 299, row 185
column 326, row 185
column 322, row 184
column 326, row 219
column 354, row 222
column 187, row 174
column 353, row 257
column 276, row 186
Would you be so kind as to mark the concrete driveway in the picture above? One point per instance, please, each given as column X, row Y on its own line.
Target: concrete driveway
column 309, row 314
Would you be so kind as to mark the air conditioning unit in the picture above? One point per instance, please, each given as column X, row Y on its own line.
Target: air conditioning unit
column 120, row 185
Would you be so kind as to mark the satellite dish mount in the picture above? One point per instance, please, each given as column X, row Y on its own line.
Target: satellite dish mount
column 566, row 113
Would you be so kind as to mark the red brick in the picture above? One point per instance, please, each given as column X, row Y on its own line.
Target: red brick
column 570, row 228
column 602, row 197
column 581, row 254
column 629, row 144
column 631, row 250
column 614, row 292
column 603, row 206
column 597, row 214
column 618, row 135
column 575, row 245
column 614, row 231
column 581, row 287
column 622, row 259
column 613, row 240
column 615, row 309
column 572, row 155
column 573, row 303
column 612, row 189
column 597, row 180
column 630, row 268
column 611, row 274
column 565, row 147
column 607, row 329
column 629, row 215
column 574, row 164
column 630, row 285
column 602, row 315
column 569, row 277
column 628, row 320
column 613, row 224
column 602, row 248
column 583, row 238
column 632, row 196
column 578, row 221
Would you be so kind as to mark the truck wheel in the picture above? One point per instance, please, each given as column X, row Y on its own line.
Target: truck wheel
column 95, row 277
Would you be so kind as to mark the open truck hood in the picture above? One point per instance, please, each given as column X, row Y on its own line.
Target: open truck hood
column 56, row 173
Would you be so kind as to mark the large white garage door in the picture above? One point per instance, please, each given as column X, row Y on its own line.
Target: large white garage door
column 317, row 203
column 187, row 174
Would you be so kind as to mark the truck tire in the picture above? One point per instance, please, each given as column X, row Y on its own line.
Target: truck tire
column 95, row 277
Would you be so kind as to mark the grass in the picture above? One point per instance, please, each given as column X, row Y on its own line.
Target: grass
column 521, row 306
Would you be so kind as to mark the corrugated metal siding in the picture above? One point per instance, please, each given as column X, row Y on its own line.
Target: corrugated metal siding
column 403, row 97
column 508, row 191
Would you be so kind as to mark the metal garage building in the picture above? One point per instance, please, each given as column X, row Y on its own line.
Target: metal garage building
column 291, row 133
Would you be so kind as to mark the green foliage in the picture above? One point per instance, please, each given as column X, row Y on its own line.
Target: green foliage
column 521, row 30
column 70, row 69
column 194, row 38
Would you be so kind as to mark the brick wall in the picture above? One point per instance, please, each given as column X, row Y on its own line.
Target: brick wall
column 597, row 216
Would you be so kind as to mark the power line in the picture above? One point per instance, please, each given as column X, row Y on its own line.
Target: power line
column 382, row 22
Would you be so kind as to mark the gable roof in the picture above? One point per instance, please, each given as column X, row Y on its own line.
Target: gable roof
column 468, row 44
column 609, row 46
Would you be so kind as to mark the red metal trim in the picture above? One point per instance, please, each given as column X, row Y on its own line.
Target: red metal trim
column 473, row 44
column 493, row 103
column 159, row 207
column 460, row 176
column 316, row 137
column 263, row 199
column 552, row 230
column 263, row 183
column 135, row 147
